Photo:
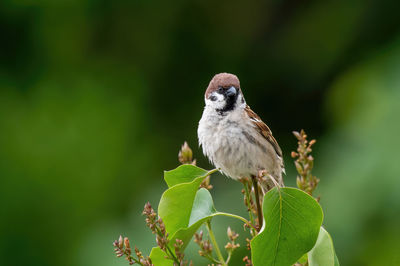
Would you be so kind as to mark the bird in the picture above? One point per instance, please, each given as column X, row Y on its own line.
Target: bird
column 234, row 138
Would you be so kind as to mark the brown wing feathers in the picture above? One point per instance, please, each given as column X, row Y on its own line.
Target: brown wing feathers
column 263, row 129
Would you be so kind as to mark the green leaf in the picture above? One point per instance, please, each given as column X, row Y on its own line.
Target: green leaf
column 203, row 206
column 179, row 207
column 183, row 174
column 203, row 209
column 183, row 207
column 176, row 204
column 157, row 257
column 323, row 253
column 292, row 223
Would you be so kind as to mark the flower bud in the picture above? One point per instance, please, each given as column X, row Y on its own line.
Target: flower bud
column 297, row 135
column 298, row 167
column 229, row 232
column 120, row 242
column 126, row 243
column 185, row 155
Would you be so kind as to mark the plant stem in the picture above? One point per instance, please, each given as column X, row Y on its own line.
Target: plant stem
column 248, row 198
column 229, row 257
column 210, row 258
column 132, row 258
column 259, row 211
column 217, row 250
column 172, row 255
column 237, row 217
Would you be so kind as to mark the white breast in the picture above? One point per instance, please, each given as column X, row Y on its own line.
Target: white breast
column 235, row 146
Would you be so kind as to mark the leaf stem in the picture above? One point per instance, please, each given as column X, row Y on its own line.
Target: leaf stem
column 237, row 217
column 217, row 250
column 211, row 172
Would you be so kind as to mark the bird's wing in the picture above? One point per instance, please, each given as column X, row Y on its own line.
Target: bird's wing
column 263, row 129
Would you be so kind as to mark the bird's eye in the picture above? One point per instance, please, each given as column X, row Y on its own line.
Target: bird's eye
column 213, row 98
column 220, row 90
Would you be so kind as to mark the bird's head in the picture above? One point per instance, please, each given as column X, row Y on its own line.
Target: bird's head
column 223, row 93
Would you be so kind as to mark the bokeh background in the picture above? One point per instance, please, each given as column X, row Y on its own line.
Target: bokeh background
column 96, row 98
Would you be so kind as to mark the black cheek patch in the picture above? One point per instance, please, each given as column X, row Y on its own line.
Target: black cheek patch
column 213, row 98
column 230, row 103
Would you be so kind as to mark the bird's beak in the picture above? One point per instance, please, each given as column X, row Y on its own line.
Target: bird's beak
column 231, row 92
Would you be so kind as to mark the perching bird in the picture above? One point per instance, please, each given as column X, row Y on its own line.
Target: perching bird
column 234, row 138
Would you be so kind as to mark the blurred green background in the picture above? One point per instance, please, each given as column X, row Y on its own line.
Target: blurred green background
column 96, row 98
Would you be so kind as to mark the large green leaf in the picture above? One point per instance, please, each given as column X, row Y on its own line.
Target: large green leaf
column 323, row 253
column 203, row 209
column 183, row 174
column 292, row 223
column 176, row 204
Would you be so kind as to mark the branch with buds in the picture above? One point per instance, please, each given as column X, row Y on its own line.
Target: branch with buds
column 157, row 227
column 304, row 163
column 123, row 247
column 231, row 245
column 249, row 202
column 205, row 247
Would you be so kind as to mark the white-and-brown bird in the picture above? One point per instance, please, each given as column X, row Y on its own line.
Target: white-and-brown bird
column 234, row 138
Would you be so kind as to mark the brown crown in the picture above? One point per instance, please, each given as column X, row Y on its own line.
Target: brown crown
column 222, row 80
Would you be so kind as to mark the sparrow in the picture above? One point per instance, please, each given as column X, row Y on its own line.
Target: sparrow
column 234, row 138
